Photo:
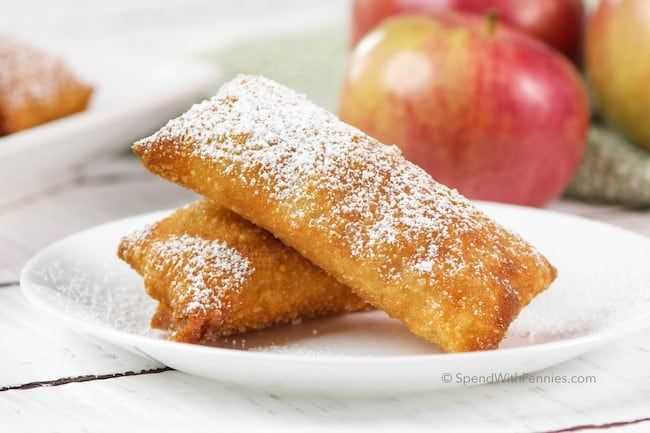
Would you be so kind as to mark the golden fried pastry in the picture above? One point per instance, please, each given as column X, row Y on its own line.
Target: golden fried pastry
column 35, row 87
column 354, row 207
column 216, row 274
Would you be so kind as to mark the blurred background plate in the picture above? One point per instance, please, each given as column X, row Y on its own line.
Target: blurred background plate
column 133, row 97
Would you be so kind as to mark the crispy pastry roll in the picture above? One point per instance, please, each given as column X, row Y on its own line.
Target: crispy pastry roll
column 216, row 274
column 356, row 208
column 35, row 87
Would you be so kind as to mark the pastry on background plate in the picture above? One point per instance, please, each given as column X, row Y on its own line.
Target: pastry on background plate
column 36, row 87
column 354, row 207
column 215, row 274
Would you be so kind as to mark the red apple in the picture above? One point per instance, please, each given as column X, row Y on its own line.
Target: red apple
column 618, row 65
column 483, row 108
column 557, row 22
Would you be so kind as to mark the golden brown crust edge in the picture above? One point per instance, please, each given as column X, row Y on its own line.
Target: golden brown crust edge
column 282, row 287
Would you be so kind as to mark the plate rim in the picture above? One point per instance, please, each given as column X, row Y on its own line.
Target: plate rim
column 30, row 288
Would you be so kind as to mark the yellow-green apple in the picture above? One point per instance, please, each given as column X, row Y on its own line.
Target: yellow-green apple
column 557, row 22
column 483, row 108
column 618, row 65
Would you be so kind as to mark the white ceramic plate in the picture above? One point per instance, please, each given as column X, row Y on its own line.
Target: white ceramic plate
column 133, row 96
column 603, row 292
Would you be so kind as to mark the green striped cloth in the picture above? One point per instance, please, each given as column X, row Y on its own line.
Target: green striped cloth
column 613, row 171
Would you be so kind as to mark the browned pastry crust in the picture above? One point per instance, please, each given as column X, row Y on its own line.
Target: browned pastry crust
column 35, row 87
column 215, row 274
column 354, row 207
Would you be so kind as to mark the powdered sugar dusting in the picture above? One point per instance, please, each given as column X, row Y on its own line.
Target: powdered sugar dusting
column 99, row 289
column 289, row 149
column 209, row 269
column 137, row 238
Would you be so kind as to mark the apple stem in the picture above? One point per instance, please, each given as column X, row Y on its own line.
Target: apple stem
column 491, row 20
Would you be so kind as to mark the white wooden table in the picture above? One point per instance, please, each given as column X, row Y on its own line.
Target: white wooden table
column 56, row 379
